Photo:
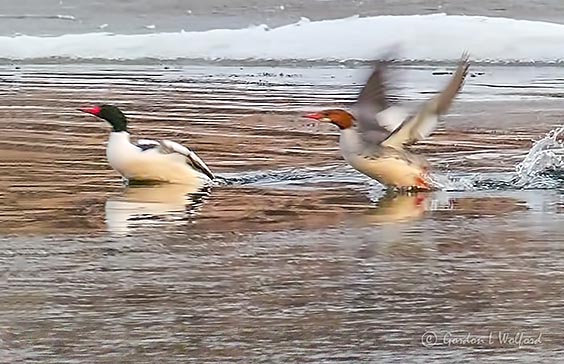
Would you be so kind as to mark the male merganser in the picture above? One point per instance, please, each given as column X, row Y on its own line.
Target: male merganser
column 149, row 160
column 373, row 139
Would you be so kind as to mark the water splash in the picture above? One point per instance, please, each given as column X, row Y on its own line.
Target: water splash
column 457, row 182
column 452, row 182
column 542, row 168
column 543, row 163
column 293, row 177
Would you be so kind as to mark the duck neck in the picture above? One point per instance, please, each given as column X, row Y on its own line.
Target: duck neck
column 119, row 137
column 350, row 141
column 117, row 120
column 119, row 126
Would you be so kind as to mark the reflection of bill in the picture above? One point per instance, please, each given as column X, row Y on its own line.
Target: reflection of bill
column 152, row 205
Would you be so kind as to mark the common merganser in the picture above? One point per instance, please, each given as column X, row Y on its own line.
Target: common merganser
column 374, row 134
column 149, row 160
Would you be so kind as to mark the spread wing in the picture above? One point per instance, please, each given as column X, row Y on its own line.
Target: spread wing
column 167, row 146
column 374, row 93
column 377, row 116
column 422, row 124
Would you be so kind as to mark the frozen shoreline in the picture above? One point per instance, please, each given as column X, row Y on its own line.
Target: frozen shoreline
column 419, row 38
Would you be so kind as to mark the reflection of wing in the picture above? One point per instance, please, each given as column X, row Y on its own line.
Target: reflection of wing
column 141, row 206
column 422, row 124
column 197, row 163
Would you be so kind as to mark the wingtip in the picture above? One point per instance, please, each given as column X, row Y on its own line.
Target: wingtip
column 465, row 58
column 387, row 57
column 465, row 61
column 463, row 67
column 390, row 54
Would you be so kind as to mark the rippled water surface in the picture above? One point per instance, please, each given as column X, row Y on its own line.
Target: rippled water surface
column 293, row 256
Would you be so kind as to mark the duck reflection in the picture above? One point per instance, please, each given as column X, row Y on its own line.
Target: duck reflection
column 397, row 207
column 141, row 206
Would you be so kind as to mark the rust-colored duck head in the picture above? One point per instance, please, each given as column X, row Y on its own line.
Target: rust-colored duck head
column 343, row 119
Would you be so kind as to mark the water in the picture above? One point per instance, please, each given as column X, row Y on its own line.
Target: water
column 292, row 256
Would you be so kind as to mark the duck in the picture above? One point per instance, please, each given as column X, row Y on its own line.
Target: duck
column 375, row 133
column 148, row 161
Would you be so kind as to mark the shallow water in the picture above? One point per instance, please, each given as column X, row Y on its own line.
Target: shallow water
column 293, row 256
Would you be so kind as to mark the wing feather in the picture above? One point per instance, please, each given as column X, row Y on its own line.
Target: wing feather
column 374, row 94
column 146, row 144
column 422, row 124
column 195, row 161
column 377, row 115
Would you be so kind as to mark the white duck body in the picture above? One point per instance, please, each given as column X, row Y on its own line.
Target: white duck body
column 151, row 165
column 387, row 165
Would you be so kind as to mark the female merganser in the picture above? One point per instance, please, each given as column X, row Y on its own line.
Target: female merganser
column 149, row 160
column 373, row 139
